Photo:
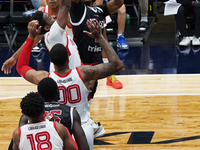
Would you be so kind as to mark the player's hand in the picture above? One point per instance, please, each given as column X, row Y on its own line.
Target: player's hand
column 95, row 29
column 33, row 29
column 49, row 117
column 97, row 2
column 7, row 65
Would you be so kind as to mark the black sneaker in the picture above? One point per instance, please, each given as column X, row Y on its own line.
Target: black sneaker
column 143, row 26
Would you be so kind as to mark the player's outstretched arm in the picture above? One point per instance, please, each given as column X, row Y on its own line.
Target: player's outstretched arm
column 105, row 69
column 23, row 69
column 62, row 18
column 10, row 62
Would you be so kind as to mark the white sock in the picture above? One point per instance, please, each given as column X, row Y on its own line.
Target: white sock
column 119, row 35
column 105, row 60
column 145, row 19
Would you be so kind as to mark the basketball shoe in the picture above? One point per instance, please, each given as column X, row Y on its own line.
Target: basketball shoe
column 112, row 81
column 98, row 129
column 121, row 43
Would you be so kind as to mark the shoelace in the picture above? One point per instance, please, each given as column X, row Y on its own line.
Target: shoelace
column 113, row 79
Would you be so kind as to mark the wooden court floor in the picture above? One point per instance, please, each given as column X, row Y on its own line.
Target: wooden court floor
column 150, row 112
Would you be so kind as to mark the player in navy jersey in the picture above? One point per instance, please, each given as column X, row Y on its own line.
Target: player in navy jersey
column 64, row 114
column 89, row 49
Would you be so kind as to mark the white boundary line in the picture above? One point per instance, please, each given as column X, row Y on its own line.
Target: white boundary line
column 128, row 75
column 10, row 97
column 174, row 94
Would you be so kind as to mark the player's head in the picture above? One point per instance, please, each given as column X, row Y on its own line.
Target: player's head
column 44, row 19
column 53, row 4
column 48, row 89
column 32, row 105
column 59, row 55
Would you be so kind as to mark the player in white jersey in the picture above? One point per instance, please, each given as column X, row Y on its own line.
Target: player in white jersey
column 39, row 133
column 78, row 97
column 58, row 35
column 59, row 56
column 68, row 27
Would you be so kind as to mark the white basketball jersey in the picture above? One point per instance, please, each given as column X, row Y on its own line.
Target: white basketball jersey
column 58, row 35
column 68, row 28
column 46, row 9
column 42, row 135
column 73, row 92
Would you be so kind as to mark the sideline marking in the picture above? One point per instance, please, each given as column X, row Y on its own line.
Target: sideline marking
column 175, row 94
column 178, row 94
column 10, row 97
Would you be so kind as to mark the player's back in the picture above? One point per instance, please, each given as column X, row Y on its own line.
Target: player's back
column 61, row 113
column 73, row 92
column 42, row 135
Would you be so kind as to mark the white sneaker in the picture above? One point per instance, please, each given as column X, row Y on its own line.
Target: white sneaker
column 185, row 41
column 195, row 41
column 98, row 129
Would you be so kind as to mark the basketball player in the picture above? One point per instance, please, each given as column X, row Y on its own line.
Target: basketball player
column 39, row 133
column 73, row 83
column 89, row 49
column 80, row 12
column 60, row 112
column 55, row 33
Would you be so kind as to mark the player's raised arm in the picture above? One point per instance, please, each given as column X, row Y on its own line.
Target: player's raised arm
column 64, row 7
column 105, row 69
column 23, row 69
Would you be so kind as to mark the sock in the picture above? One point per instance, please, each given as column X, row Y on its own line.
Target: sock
column 118, row 35
column 144, row 19
column 105, row 60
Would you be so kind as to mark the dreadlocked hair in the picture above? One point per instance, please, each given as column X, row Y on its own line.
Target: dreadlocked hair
column 32, row 104
column 42, row 22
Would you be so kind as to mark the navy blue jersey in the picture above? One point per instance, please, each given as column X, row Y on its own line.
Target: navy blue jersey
column 61, row 113
column 89, row 48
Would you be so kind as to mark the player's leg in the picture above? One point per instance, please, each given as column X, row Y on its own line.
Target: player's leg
column 144, row 25
column 97, row 127
column 121, row 19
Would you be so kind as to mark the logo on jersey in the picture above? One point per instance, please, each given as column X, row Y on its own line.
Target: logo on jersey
column 94, row 49
column 37, row 127
column 96, row 9
column 65, row 81
column 101, row 22
column 52, row 105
